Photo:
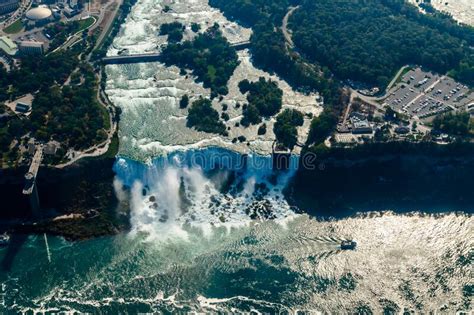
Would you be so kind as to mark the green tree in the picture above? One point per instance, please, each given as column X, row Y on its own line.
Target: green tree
column 285, row 128
column 205, row 118
column 184, row 102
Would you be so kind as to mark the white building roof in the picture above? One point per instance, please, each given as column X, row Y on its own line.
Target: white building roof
column 39, row 13
column 8, row 46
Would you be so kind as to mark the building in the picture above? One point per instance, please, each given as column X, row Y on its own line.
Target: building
column 361, row 127
column 8, row 6
column 51, row 147
column 402, row 130
column 22, row 107
column 39, row 16
column 360, row 124
column 73, row 4
column 31, row 48
column 31, row 146
column 69, row 12
column 7, row 46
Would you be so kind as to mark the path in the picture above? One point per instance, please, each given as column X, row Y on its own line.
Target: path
column 73, row 39
column 103, row 147
column 284, row 27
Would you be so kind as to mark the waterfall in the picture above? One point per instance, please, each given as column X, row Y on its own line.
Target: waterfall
column 207, row 187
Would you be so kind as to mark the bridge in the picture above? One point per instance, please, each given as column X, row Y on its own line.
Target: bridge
column 154, row 57
column 241, row 45
column 138, row 58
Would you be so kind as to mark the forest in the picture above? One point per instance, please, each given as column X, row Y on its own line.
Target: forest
column 459, row 124
column 209, row 56
column 368, row 41
column 265, row 18
column 69, row 114
column 265, row 100
column 344, row 39
column 36, row 72
column 204, row 118
column 285, row 128
column 173, row 30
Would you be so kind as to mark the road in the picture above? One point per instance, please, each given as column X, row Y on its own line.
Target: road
column 369, row 100
column 290, row 45
column 395, row 78
column 374, row 101
column 109, row 21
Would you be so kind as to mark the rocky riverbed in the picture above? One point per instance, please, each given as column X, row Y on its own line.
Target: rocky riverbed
column 152, row 122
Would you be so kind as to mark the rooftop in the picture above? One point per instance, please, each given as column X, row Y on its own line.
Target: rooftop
column 39, row 13
column 8, row 46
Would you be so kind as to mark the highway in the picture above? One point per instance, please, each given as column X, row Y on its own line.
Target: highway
column 108, row 22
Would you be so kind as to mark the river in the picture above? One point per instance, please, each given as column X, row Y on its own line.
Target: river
column 415, row 262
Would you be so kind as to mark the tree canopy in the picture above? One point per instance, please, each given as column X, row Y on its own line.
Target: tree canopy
column 265, row 17
column 264, row 97
column 204, row 118
column 209, row 55
column 37, row 72
column 369, row 41
column 69, row 114
column 174, row 31
column 285, row 128
column 456, row 124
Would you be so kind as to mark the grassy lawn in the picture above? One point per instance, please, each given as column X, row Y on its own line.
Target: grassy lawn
column 14, row 28
column 86, row 23
column 400, row 77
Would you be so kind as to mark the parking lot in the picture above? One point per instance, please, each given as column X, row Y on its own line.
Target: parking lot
column 425, row 94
